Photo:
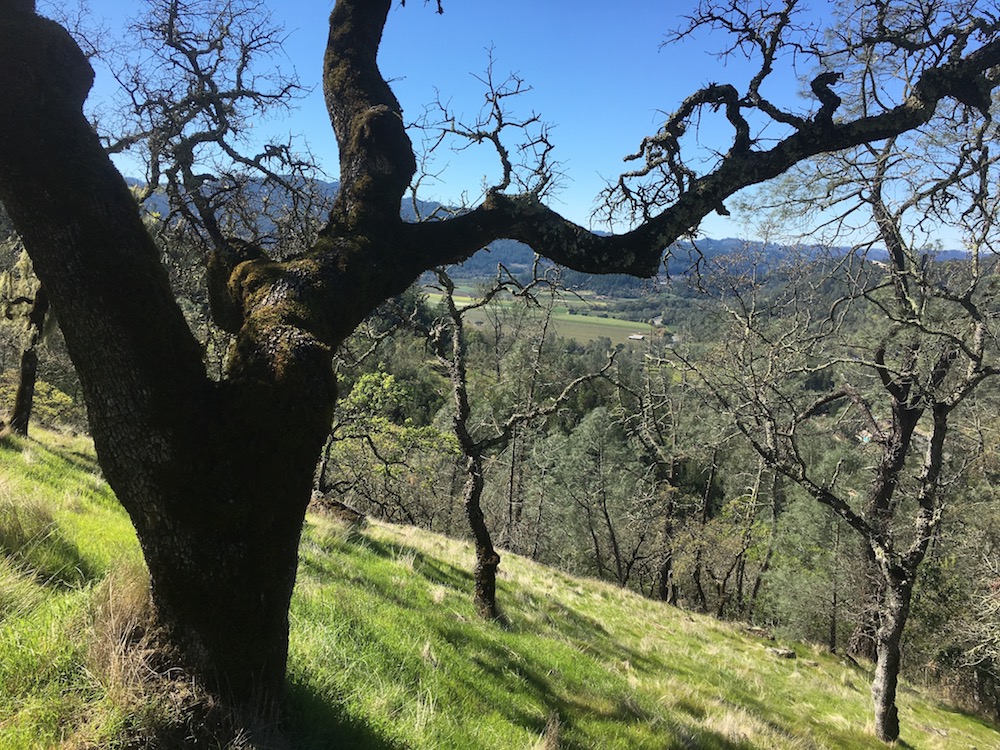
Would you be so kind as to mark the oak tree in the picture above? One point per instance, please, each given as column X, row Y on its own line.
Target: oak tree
column 216, row 474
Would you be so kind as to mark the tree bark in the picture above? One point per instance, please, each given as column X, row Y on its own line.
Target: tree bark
column 879, row 509
column 703, row 516
column 487, row 560
column 24, row 398
column 777, row 508
column 666, row 589
column 863, row 642
column 895, row 610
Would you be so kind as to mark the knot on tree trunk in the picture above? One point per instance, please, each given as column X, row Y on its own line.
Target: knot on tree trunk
column 224, row 300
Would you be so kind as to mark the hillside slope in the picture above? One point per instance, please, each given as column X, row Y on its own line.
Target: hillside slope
column 387, row 653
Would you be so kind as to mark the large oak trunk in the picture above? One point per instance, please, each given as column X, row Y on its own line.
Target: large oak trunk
column 222, row 576
column 220, row 533
column 223, row 607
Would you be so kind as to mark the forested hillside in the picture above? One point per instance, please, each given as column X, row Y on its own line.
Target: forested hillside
column 642, row 476
column 640, row 455
column 642, row 459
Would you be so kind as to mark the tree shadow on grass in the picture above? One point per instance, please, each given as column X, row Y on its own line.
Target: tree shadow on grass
column 434, row 570
column 80, row 460
column 58, row 469
column 519, row 680
column 533, row 674
column 33, row 542
column 318, row 723
column 617, row 712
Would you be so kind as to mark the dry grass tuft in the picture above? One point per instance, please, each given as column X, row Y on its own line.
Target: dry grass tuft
column 147, row 703
column 24, row 525
column 550, row 735
column 121, row 647
column 18, row 592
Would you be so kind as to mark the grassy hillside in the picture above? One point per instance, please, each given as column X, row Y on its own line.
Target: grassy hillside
column 386, row 652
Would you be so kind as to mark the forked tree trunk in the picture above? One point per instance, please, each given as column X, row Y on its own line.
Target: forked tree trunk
column 24, row 398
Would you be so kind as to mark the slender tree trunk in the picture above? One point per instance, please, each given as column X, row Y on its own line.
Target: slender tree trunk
column 594, row 538
column 879, row 507
column 895, row 610
column 777, row 508
column 666, row 589
column 704, row 516
column 515, row 491
column 537, row 541
column 831, row 639
column 698, row 589
column 514, row 501
column 621, row 572
column 721, row 597
column 487, row 560
column 834, row 592
column 24, row 398
column 864, row 638
column 758, row 580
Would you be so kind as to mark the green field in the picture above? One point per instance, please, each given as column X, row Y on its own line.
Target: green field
column 573, row 318
column 387, row 653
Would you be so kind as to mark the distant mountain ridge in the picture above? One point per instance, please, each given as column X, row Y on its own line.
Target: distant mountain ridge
column 519, row 259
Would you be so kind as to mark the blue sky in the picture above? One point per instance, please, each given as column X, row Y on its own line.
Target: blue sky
column 598, row 71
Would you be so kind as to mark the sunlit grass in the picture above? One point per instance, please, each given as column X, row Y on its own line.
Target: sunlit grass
column 387, row 635
column 386, row 651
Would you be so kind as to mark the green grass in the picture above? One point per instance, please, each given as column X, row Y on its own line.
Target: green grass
column 387, row 653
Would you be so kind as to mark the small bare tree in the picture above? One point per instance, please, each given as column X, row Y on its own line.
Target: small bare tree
column 478, row 439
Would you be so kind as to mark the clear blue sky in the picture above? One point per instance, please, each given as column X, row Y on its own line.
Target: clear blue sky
column 598, row 71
